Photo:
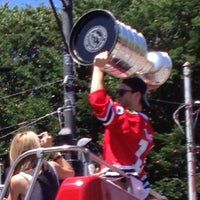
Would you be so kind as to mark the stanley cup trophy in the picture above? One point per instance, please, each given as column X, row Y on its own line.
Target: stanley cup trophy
column 99, row 31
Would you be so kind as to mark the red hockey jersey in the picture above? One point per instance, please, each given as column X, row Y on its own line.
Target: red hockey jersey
column 128, row 136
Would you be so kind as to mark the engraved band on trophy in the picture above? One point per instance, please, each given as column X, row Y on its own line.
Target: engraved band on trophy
column 99, row 31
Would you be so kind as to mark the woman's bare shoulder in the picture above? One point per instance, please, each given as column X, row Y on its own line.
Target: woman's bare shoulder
column 18, row 183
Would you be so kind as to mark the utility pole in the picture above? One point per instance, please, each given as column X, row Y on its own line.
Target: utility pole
column 191, row 168
column 68, row 133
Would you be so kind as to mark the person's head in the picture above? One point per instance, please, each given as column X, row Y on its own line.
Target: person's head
column 22, row 142
column 131, row 93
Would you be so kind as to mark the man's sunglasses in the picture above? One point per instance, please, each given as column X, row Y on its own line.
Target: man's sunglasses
column 121, row 91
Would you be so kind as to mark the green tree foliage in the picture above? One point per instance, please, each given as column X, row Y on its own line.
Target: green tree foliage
column 164, row 166
column 31, row 45
column 30, row 94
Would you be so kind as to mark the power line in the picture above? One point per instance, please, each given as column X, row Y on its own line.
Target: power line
column 25, row 124
column 29, row 90
column 165, row 101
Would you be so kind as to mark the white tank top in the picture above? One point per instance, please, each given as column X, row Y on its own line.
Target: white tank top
column 37, row 191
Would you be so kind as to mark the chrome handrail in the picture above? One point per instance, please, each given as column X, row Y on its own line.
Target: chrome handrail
column 40, row 152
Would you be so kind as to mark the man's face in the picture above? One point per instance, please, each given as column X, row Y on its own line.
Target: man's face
column 125, row 95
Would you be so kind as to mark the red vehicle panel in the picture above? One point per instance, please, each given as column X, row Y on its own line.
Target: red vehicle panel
column 90, row 188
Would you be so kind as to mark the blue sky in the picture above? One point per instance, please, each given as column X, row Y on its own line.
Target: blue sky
column 34, row 3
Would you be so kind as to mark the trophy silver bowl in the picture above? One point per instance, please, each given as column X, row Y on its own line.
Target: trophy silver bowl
column 99, row 31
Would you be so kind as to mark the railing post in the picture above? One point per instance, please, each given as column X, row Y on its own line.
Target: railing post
column 189, row 133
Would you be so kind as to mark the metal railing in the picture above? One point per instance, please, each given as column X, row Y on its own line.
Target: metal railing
column 40, row 152
column 87, row 156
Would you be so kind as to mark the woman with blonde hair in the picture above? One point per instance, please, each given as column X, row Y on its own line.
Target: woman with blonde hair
column 22, row 142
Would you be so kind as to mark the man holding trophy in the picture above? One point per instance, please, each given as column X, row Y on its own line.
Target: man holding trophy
column 128, row 135
column 115, row 48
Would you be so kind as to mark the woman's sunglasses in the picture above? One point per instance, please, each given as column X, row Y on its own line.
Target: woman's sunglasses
column 121, row 91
